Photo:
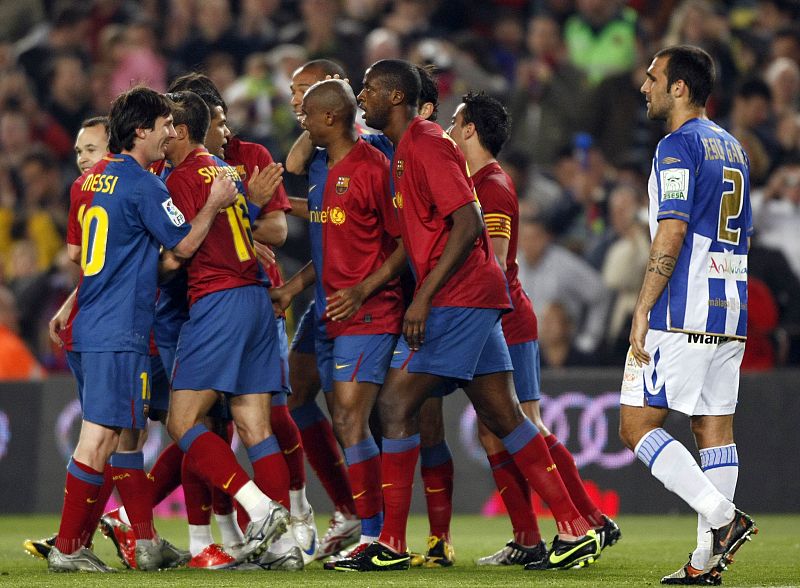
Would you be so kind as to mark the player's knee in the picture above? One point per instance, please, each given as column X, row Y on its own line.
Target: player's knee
column 253, row 433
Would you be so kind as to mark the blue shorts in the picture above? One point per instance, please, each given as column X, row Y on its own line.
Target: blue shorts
column 460, row 343
column 283, row 346
column 303, row 341
column 159, row 387
column 230, row 344
column 113, row 387
column 527, row 375
column 354, row 358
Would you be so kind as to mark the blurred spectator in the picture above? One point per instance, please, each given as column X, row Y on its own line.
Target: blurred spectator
column 409, row 18
column 213, row 32
column 776, row 213
column 17, row 18
column 549, row 98
column 557, row 338
column 256, row 25
column 69, row 33
column 29, row 286
column 762, row 319
column 16, row 360
column 601, row 38
column 783, row 78
column 624, row 263
column 69, row 92
column 326, row 35
column 140, row 61
column 748, row 122
column 550, row 273
column 508, row 43
column 381, row 43
column 786, row 43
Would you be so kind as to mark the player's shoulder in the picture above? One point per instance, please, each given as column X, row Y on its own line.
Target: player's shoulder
column 370, row 154
column 240, row 151
column 427, row 136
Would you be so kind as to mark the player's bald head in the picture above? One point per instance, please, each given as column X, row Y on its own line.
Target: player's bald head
column 322, row 67
column 334, row 96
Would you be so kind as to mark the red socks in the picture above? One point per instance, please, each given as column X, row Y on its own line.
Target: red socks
column 516, row 495
column 80, row 495
column 572, row 480
column 398, row 462
column 135, row 490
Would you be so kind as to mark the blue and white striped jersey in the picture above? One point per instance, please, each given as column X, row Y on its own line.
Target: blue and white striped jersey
column 700, row 175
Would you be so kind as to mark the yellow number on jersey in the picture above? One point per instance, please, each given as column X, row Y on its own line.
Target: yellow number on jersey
column 94, row 228
column 730, row 207
column 240, row 228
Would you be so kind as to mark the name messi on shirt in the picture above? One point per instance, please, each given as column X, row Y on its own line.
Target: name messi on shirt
column 101, row 183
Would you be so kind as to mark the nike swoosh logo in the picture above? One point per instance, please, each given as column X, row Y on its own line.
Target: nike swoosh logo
column 396, row 352
column 228, row 483
column 503, row 489
column 313, row 547
column 292, row 450
column 433, row 490
column 386, row 485
column 205, row 507
column 344, row 365
column 556, row 559
column 387, row 562
column 91, row 501
column 310, row 188
column 359, row 495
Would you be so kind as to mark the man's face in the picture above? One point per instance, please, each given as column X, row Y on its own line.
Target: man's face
column 156, row 139
column 456, row 129
column 374, row 101
column 302, row 80
column 655, row 90
column 312, row 119
column 90, row 146
column 218, row 132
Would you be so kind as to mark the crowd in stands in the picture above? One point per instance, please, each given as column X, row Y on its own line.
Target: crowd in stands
column 569, row 72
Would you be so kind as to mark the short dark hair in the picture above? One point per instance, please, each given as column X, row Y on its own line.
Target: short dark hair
column 692, row 65
column 326, row 67
column 754, row 88
column 95, row 121
column 201, row 85
column 399, row 75
column 429, row 90
column 138, row 108
column 191, row 110
column 490, row 118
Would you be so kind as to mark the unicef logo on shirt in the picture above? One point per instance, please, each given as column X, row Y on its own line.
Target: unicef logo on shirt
column 337, row 216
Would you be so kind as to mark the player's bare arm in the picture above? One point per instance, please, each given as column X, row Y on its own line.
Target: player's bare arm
column 500, row 248
column 467, row 226
column 343, row 304
column 663, row 255
column 271, row 228
column 282, row 296
column 300, row 155
column 263, row 183
column 265, row 254
column 223, row 194
column 74, row 253
column 59, row 321
column 299, row 207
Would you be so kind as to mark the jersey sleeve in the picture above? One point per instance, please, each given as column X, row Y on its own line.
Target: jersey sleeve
column 75, row 212
column 446, row 174
column 159, row 213
column 498, row 209
column 676, row 165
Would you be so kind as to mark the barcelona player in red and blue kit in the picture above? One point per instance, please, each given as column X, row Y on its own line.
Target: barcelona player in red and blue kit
column 129, row 215
column 452, row 329
column 229, row 343
column 355, row 261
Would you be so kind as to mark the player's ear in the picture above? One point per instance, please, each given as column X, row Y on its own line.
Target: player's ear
column 397, row 97
column 181, row 131
column 468, row 130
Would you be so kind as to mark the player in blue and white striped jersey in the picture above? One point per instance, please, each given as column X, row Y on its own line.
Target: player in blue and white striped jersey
column 689, row 324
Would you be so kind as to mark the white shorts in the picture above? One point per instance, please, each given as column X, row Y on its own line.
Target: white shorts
column 692, row 374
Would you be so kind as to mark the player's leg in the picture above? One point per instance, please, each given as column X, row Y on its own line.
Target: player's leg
column 436, row 469
column 647, row 394
column 527, row 545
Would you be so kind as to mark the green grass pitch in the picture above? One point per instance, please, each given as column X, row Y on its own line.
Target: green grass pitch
column 651, row 546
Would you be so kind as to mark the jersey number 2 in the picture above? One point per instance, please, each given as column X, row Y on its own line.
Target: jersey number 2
column 94, row 238
column 730, row 207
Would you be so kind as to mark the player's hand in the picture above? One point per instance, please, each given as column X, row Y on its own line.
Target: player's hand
column 414, row 322
column 639, row 328
column 337, row 77
column 57, row 324
column 281, row 298
column 345, row 303
column 264, row 253
column 263, row 183
column 223, row 192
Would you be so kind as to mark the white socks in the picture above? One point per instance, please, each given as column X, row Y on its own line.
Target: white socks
column 298, row 503
column 229, row 528
column 721, row 466
column 253, row 500
column 199, row 538
column 672, row 464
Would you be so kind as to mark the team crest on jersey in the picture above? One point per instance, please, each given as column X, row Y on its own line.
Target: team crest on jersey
column 398, row 200
column 400, row 168
column 337, row 216
column 670, row 160
column 342, row 184
column 175, row 215
column 674, row 184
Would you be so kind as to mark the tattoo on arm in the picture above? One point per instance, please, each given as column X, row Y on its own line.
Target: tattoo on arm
column 662, row 264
